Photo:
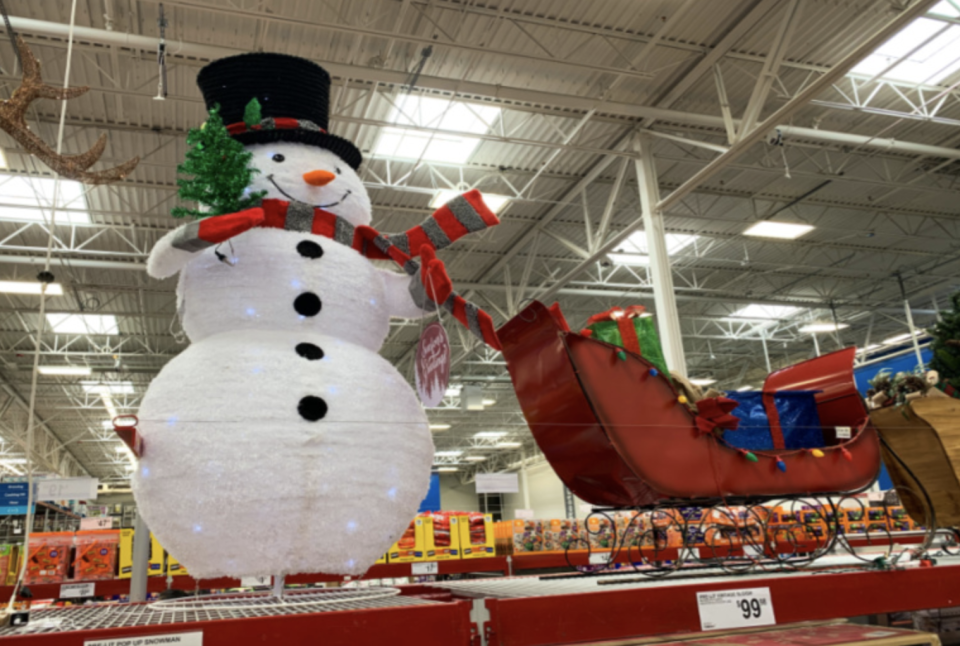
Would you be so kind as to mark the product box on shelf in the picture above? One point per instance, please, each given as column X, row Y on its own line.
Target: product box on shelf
column 440, row 536
column 95, row 555
column 477, row 536
column 175, row 567
column 8, row 562
column 125, row 556
column 561, row 534
column 600, row 533
column 527, row 536
column 155, row 564
column 406, row 550
column 48, row 557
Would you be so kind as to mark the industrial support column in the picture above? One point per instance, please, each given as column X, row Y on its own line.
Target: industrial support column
column 141, row 558
column 668, row 320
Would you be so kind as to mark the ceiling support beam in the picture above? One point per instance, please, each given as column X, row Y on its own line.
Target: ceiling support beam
column 748, row 139
column 661, row 275
column 535, row 100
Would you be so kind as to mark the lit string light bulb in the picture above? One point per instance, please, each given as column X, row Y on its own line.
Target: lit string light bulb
column 781, row 465
column 817, row 453
column 846, row 455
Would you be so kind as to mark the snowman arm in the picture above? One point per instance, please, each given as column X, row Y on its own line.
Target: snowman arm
column 400, row 301
column 181, row 245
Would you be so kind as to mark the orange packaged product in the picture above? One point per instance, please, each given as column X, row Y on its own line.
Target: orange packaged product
column 48, row 557
column 96, row 554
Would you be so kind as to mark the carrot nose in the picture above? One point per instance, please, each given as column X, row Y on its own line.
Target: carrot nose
column 318, row 177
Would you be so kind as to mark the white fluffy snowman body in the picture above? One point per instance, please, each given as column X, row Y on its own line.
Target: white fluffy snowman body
column 279, row 441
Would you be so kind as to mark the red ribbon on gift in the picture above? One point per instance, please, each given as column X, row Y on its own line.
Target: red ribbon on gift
column 622, row 316
column 714, row 413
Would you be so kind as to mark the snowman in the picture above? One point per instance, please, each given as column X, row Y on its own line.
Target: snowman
column 280, row 441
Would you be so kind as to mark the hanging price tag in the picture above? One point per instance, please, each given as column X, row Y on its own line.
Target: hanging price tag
column 735, row 609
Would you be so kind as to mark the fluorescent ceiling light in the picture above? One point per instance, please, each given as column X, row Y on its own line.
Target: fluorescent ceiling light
column 926, row 51
column 490, row 434
column 873, row 346
column 29, row 198
column 494, row 201
column 447, row 454
column 83, row 323
column 489, row 402
column 765, row 312
column 66, row 371
column 447, row 469
column 13, row 460
column 813, row 328
column 784, row 230
column 900, row 338
column 108, row 387
column 439, row 427
column 123, row 448
column 703, row 382
column 743, row 389
column 634, row 250
column 509, row 445
column 453, row 391
column 28, row 287
column 438, row 115
column 107, row 424
column 475, row 458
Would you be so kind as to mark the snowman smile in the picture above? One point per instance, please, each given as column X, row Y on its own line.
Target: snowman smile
column 319, row 206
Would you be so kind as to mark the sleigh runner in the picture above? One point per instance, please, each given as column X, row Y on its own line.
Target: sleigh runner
column 617, row 432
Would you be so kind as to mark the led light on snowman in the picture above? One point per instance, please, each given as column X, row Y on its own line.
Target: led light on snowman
column 280, row 441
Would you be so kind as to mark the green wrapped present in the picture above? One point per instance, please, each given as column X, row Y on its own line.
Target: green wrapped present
column 631, row 330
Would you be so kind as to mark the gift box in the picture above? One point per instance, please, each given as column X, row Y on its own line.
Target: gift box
column 527, row 536
column 48, row 557
column 477, row 537
column 561, row 534
column 630, row 329
column 96, row 554
column 799, row 422
column 441, row 535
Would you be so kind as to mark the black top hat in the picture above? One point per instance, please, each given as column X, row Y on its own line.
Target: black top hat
column 294, row 96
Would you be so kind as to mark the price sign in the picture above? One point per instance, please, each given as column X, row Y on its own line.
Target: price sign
column 428, row 567
column 99, row 522
column 844, row 432
column 735, row 609
column 77, row 590
column 255, row 581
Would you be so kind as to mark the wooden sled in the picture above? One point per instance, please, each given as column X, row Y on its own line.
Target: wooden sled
column 616, row 434
column 925, row 435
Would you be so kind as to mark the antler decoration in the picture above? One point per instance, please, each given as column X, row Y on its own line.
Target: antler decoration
column 13, row 110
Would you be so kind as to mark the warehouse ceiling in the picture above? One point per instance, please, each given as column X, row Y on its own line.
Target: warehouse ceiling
column 557, row 105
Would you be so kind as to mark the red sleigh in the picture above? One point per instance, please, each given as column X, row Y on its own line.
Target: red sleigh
column 617, row 435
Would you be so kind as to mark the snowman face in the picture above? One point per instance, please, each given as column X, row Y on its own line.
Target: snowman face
column 293, row 171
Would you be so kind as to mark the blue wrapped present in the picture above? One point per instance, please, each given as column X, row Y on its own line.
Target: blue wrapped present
column 799, row 421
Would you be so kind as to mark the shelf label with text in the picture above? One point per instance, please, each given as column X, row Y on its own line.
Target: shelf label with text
column 255, row 581
column 735, row 608
column 77, row 590
column 98, row 522
column 599, row 558
column 172, row 639
column 427, row 567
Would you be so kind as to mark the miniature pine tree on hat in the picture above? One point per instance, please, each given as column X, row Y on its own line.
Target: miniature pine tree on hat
column 219, row 165
column 946, row 344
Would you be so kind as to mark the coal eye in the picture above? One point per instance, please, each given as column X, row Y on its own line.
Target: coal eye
column 278, row 158
column 337, row 168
